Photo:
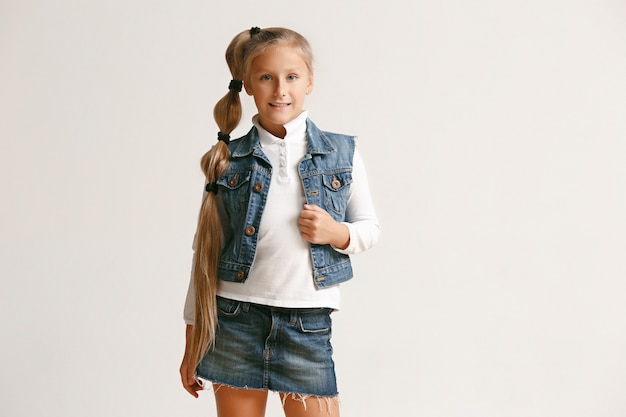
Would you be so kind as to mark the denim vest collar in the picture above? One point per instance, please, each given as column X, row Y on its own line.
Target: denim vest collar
column 317, row 143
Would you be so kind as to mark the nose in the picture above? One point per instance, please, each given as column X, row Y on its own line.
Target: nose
column 280, row 88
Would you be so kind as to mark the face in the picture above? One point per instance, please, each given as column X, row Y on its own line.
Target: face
column 279, row 80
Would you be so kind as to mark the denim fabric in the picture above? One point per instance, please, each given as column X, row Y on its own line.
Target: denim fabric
column 278, row 349
column 326, row 175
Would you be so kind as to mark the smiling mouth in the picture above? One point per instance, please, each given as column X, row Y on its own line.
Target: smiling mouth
column 280, row 104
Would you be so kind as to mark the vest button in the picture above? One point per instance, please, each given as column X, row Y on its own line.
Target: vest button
column 258, row 187
column 250, row 230
column 240, row 275
column 336, row 184
column 233, row 181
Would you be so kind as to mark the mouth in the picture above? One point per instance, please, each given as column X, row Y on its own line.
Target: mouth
column 279, row 105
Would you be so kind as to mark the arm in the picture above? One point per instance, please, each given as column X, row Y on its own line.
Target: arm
column 187, row 370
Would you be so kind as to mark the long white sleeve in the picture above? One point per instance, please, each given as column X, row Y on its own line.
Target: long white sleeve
column 360, row 216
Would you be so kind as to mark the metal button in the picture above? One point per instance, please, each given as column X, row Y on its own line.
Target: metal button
column 233, row 181
column 240, row 275
column 335, row 184
column 258, row 187
column 250, row 230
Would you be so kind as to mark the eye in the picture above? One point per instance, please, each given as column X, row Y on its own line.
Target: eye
column 265, row 77
column 292, row 77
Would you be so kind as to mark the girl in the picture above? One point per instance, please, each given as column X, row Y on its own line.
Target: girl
column 284, row 207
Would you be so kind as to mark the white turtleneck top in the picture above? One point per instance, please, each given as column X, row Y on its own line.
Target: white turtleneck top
column 281, row 274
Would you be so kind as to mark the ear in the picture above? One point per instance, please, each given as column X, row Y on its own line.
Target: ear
column 309, row 87
column 247, row 88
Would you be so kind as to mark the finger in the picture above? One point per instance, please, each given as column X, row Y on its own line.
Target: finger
column 313, row 207
column 307, row 216
column 193, row 387
column 307, row 226
column 189, row 387
column 313, row 215
column 193, row 391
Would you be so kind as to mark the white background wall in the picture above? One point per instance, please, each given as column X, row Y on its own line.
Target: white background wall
column 494, row 134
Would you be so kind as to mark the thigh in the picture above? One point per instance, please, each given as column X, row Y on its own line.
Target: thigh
column 235, row 402
column 298, row 406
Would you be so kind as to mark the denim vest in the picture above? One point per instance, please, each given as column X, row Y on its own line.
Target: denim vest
column 326, row 175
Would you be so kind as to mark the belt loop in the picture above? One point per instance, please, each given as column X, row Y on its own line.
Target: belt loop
column 294, row 316
column 245, row 306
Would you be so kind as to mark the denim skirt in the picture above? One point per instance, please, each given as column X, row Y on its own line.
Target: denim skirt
column 270, row 348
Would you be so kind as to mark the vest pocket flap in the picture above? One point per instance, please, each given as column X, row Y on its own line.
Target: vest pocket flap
column 336, row 182
column 234, row 180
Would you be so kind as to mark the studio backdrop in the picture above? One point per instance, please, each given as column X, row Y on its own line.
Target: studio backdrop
column 494, row 139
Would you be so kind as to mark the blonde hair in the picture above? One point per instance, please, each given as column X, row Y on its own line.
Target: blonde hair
column 240, row 53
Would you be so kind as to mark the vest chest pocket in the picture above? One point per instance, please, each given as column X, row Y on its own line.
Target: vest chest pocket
column 234, row 187
column 336, row 188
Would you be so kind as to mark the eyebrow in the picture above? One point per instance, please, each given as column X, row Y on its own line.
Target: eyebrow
column 289, row 70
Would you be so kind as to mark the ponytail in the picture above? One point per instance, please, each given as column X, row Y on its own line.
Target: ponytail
column 227, row 113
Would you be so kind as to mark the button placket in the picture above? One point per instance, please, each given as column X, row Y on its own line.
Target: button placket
column 282, row 172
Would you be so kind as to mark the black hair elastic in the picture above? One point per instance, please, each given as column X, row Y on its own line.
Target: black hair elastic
column 235, row 85
column 224, row 137
column 254, row 30
column 211, row 187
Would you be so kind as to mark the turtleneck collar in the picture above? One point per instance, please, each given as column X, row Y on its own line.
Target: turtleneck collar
column 295, row 129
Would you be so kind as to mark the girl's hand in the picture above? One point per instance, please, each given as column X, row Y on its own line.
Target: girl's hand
column 187, row 375
column 317, row 226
